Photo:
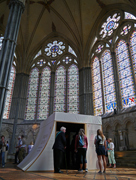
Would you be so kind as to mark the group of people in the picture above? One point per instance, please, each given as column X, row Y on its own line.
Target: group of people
column 21, row 150
column 103, row 147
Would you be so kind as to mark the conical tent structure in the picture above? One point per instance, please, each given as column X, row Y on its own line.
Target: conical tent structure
column 41, row 156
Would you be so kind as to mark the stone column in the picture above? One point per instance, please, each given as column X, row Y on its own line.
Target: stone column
column 116, row 80
column 85, row 91
column 8, row 48
column 18, row 106
column 52, row 91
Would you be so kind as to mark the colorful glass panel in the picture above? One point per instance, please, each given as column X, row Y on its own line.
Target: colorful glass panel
column 9, row 93
column 60, row 88
column 133, row 50
column 73, row 89
column 97, row 90
column 44, row 94
column 108, row 82
column 125, row 75
column 32, row 95
column 110, row 25
column 129, row 16
column 71, row 51
column 55, row 48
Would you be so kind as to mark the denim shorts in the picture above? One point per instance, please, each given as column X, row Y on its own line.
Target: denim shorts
column 100, row 150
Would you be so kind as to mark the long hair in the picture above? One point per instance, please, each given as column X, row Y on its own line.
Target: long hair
column 81, row 132
column 100, row 133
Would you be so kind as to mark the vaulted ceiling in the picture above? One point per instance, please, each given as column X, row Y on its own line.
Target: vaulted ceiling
column 74, row 20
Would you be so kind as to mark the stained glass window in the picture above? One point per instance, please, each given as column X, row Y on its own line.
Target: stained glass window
column 125, row 30
column 1, row 39
column 73, row 88
column 108, row 82
column 9, row 93
column 38, row 54
column 55, row 48
column 60, row 85
column 133, row 49
column 32, row 94
column 71, row 51
column 43, row 105
column 129, row 16
column 110, row 25
column 97, row 89
column 125, row 75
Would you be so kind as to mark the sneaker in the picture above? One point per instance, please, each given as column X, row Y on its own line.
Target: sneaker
column 3, row 166
column 86, row 170
column 104, row 171
column 80, row 170
column 100, row 172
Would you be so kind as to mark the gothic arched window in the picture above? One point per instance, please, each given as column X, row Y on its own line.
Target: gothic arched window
column 97, row 89
column 125, row 74
column 73, row 83
column 108, row 82
column 133, row 50
column 60, row 89
column 9, row 93
column 43, row 105
column 32, row 94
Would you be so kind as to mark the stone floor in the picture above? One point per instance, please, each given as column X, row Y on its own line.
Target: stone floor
column 11, row 172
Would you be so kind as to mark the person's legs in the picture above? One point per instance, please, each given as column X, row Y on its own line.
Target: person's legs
column 80, row 159
column 99, row 162
column 104, row 162
column 84, row 159
column 113, row 158
column 109, row 157
column 58, row 155
column 3, row 159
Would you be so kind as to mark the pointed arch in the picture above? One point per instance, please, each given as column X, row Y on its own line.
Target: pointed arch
column 43, row 104
column 97, row 89
column 108, row 82
column 73, row 89
column 60, row 88
column 32, row 94
column 125, row 75
column 9, row 93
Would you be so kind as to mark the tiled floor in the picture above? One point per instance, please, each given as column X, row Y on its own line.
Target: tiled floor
column 11, row 172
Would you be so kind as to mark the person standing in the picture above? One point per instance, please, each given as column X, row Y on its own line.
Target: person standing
column 3, row 149
column 81, row 144
column 6, row 152
column 111, row 153
column 100, row 142
column 58, row 149
column 22, row 149
column 17, row 150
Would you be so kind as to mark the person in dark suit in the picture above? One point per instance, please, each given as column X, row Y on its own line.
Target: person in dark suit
column 58, row 149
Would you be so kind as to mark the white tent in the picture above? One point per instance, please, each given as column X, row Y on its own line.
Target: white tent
column 41, row 156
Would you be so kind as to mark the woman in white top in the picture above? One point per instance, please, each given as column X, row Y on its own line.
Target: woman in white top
column 111, row 153
column 100, row 142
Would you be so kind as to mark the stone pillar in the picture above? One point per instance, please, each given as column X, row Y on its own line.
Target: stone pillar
column 8, row 48
column 85, row 91
column 52, row 91
column 116, row 80
column 18, row 105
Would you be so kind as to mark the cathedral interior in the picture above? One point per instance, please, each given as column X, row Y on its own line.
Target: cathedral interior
column 72, row 56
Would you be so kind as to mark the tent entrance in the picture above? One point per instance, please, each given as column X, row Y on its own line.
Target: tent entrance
column 70, row 157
